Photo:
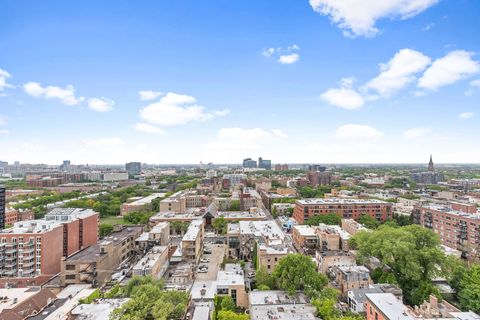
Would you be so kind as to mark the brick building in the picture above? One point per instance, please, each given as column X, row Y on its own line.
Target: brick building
column 456, row 229
column 345, row 208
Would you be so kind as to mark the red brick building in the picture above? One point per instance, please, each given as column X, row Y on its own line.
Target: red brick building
column 456, row 229
column 345, row 208
column 31, row 251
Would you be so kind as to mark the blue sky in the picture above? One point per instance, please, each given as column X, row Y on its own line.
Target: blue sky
column 292, row 81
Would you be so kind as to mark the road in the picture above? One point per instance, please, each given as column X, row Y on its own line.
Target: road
column 216, row 258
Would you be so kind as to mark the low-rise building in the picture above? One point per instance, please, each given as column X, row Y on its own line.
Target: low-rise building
column 21, row 303
column 159, row 235
column 328, row 259
column 140, row 204
column 192, row 241
column 305, row 238
column 279, row 305
column 351, row 277
column 154, row 263
column 96, row 264
column 357, row 298
column 352, row 227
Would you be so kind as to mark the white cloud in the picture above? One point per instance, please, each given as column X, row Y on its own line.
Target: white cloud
column 240, row 138
column 449, row 69
column 466, row 115
column 283, row 55
column 4, row 75
column 148, row 128
column 398, row 72
column 428, row 26
column 289, row 58
column 4, row 132
column 358, row 17
column 475, row 83
column 268, row 52
column 344, row 97
column 176, row 109
column 103, row 142
column 146, row 95
column 419, row 133
column 100, row 104
column 357, row 132
column 65, row 95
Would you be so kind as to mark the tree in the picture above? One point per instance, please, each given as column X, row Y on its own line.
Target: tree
column 413, row 254
column 220, row 225
column 235, row 205
column 228, row 304
column 263, row 278
column 298, row 272
column 469, row 294
column 230, row 315
column 368, row 221
column 330, row 218
column 105, row 229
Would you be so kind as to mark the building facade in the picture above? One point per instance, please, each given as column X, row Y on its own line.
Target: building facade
column 345, row 208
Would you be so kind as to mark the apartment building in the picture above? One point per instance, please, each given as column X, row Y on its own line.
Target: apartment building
column 154, row 263
column 346, row 208
column 269, row 254
column 80, row 227
column 386, row 306
column 456, row 229
column 96, row 264
column 352, row 227
column 30, row 252
column 280, row 305
column 192, row 241
column 351, row 277
column 329, row 259
column 159, row 235
column 305, row 238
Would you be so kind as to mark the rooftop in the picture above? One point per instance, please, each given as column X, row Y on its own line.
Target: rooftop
column 32, row 226
column 268, row 228
column 193, row 230
column 304, row 230
column 146, row 200
column 315, row 201
column 390, row 306
column 69, row 214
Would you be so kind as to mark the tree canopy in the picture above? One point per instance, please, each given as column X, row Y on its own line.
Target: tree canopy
column 412, row 253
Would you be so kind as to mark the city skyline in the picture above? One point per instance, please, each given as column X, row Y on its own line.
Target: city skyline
column 295, row 82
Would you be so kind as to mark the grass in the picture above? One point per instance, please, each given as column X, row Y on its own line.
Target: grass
column 113, row 220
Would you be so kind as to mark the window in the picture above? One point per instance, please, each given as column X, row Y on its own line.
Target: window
column 70, row 276
column 70, row 267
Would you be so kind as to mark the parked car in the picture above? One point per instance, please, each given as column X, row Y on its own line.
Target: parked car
column 251, row 275
column 204, row 260
column 202, row 270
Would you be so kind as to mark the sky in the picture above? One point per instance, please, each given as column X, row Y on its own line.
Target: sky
column 294, row 81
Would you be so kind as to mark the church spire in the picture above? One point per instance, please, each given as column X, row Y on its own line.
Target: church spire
column 430, row 165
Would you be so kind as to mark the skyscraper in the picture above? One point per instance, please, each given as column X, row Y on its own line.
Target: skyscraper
column 265, row 164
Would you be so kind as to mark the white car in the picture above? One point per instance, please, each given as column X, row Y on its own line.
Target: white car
column 202, row 270
column 204, row 260
column 251, row 274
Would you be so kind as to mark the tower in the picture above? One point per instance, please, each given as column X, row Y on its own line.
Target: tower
column 430, row 165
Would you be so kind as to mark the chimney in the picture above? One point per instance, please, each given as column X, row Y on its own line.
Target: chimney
column 433, row 302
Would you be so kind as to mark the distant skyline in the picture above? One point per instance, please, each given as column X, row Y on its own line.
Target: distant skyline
column 293, row 81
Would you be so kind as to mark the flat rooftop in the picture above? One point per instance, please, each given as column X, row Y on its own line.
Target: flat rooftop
column 18, row 294
column 31, row 226
column 304, row 230
column 389, row 305
column 333, row 201
column 283, row 312
column 447, row 209
column 69, row 214
column 193, row 230
column 274, row 297
column 268, row 228
column 146, row 200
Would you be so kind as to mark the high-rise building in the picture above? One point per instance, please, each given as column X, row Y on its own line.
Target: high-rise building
column 66, row 165
column 264, row 164
column 428, row 177
column 133, row 168
column 249, row 163
column 2, row 207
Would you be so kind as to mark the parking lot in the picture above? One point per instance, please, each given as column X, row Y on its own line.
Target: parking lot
column 216, row 258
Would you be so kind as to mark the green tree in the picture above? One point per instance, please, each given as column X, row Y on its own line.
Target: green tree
column 469, row 294
column 230, row 315
column 330, row 218
column 105, row 229
column 235, row 205
column 228, row 304
column 368, row 221
column 263, row 278
column 298, row 272
column 413, row 254
column 220, row 225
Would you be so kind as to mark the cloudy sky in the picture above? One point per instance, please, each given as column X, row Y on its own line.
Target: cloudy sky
column 188, row 81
